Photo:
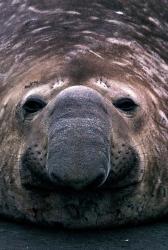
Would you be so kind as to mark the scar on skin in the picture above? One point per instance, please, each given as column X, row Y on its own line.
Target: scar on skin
column 32, row 84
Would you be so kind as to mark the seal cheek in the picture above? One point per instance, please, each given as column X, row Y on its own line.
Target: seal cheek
column 126, row 166
column 33, row 166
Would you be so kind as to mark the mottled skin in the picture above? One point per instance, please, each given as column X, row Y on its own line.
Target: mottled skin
column 83, row 111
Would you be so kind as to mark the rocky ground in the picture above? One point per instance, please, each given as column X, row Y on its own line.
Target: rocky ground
column 149, row 237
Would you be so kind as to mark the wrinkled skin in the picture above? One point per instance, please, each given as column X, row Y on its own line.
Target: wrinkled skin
column 83, row 112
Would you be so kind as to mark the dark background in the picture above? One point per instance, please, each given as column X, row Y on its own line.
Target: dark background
column 18, row 236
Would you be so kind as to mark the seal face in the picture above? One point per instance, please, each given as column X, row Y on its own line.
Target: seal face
column 80, row 149
column 83, row 113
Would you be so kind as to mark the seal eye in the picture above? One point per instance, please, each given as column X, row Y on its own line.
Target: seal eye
column 125, row 104
column 33, row 104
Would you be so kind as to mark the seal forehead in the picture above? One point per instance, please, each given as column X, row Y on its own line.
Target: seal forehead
column 93, row 37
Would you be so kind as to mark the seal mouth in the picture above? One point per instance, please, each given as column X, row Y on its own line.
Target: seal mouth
column 43, row 186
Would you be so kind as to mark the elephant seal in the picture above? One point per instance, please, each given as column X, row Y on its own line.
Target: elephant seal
column 83, row 112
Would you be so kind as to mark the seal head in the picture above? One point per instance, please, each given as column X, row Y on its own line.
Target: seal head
column 83, row 112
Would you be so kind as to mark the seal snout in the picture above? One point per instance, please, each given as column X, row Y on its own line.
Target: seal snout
column 79, row 139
